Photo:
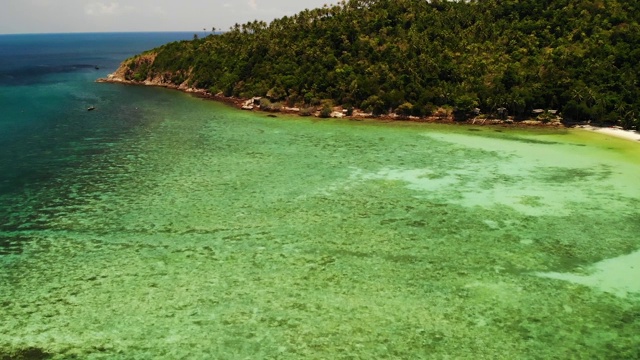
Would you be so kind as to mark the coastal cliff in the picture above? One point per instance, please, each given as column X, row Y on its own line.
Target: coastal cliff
column 126, row 74
column 136, row 71
column 486, row 60
column 130, row 72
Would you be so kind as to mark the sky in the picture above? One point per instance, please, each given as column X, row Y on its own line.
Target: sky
column 62, row 16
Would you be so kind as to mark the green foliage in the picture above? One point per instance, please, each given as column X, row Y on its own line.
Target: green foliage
column 426, row 110
column 267, row 105
column 374, row 104
column 326, row 111
column 464, row 105
column 307, row 111
column 139, row 76
column 276, row 93
column 349, row 111
column 141, row 72
column 576, row 56
column 405, row 109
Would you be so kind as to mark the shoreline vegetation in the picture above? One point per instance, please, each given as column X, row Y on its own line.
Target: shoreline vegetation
column 257, row 103
column 529, row 62
column 442, row 116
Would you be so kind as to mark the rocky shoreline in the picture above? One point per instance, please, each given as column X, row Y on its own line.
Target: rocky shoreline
column 441, row 116
column 338, row 112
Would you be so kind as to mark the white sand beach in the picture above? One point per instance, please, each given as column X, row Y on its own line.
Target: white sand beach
column 613, row 131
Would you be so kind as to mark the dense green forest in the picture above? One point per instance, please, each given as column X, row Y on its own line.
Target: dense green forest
column 412, row 56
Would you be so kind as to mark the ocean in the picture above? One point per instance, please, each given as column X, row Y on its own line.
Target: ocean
column 46, row 86
column 164, row 226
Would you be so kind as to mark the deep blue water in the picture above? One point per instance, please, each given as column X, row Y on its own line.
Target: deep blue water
column 47, row 82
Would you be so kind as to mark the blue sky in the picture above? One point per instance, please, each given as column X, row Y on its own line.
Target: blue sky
column 52, row 16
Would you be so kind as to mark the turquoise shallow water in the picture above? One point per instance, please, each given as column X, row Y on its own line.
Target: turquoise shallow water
column 165, row 226
column 46, row 85
column 207, row 232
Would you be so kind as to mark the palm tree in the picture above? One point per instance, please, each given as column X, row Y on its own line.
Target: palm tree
column 576, row 94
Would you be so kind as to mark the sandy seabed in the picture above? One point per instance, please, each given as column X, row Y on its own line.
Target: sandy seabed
column 215, row 233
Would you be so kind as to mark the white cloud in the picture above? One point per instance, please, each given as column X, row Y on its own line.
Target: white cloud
column 98, row 8
column 253, row 4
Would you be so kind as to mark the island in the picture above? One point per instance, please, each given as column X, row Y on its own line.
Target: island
column 569, row 61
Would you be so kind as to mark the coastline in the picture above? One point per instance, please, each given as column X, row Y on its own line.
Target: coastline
column 243, row 104
column 440, row 118
column 115, row 79
column 631, row 135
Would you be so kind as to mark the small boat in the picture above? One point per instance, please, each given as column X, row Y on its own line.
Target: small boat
column 91, row 108
column 97, row 67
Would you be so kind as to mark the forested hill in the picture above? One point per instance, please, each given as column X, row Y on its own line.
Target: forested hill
column 578, row 56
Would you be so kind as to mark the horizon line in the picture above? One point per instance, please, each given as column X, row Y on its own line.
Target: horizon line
column 107, row 32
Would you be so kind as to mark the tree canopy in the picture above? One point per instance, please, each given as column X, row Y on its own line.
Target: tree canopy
column 409, row 56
